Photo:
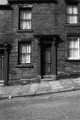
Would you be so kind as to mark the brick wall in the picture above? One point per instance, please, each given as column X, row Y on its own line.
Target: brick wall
column 43, row 22
column 65, row 67
column 5, row 25
column 47, row 19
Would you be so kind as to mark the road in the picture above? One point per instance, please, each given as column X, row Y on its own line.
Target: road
column 63, row 106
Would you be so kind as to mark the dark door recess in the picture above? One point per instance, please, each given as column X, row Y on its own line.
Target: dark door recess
column 46, row 60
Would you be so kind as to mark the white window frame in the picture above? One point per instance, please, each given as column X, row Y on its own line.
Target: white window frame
column 72, row 14
column 25, row 18
column 25, row 51
column 74, row 49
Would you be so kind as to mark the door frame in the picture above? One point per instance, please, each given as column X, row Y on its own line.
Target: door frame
column 44, row 47
column 44, row 41
column 55, row 40
column 49, row 39
column 5, row 48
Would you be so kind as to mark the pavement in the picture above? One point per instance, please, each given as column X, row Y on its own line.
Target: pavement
column 36, row 89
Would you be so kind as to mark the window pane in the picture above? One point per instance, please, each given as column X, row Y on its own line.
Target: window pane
column 28, row 24
column 76, row 44
column 25, row 53
column 74, row 49
column 75, row 10
column 25, row 25
column 72, row 10
column 28, row 48
column 69, row 10
column 23, row 59
column 28, row 59
column 72, row 19
column 71, row 53
column 71, row 45
column 25, row 15
column 24, row 49
column 28, row 15
column 75, row 19
column 25, row 19
column 74, row 54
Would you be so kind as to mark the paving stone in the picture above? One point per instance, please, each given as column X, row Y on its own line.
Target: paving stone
column 67, row 84
column 56, row 85
column 44, row 87
column 34, row 87
column 77, row 81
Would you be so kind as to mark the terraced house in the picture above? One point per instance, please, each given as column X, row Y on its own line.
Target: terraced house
column 39, row 40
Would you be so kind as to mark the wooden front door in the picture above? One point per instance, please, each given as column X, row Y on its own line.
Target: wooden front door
column 46, row 60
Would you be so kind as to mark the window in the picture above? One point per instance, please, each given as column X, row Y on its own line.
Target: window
column 25, row 19
column 72, row 14
column 24, row 52
column 74, row 48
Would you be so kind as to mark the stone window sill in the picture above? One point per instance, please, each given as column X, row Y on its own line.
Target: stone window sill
column 24, row 66
column 72, row 25
column 23, row 31
column 73, row 60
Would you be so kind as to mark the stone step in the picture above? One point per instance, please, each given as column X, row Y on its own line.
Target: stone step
column 48, row 76
column 47, row 79
column 1, row 82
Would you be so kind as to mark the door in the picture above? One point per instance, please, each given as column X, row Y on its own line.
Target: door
column 46, row 60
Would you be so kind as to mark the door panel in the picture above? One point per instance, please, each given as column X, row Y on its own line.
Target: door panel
column 46, row 60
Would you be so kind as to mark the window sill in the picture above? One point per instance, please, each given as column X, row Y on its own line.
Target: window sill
column 72, row 25
column 23, row 31
column 24, row 66
column 73, row 60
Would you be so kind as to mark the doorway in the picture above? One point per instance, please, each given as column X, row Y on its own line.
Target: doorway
column 46, row 60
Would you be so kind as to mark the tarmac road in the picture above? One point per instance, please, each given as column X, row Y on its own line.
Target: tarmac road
column 62, row 106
